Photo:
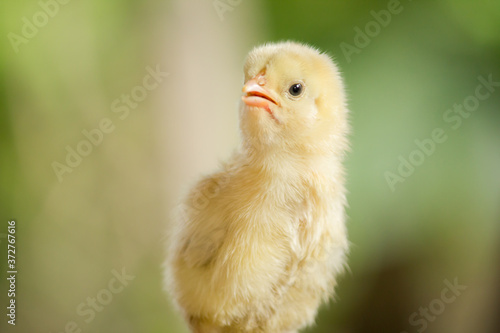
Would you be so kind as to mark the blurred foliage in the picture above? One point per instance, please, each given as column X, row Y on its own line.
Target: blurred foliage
column 442, row 222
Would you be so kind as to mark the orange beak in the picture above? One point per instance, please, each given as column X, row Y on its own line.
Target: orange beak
column 258, row 96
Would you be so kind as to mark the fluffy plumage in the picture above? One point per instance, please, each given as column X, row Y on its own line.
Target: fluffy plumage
column 259, row 244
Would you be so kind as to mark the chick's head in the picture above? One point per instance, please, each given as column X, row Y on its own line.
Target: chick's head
column 293, row 99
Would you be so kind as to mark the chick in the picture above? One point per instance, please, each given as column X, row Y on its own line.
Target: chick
column 260, row 243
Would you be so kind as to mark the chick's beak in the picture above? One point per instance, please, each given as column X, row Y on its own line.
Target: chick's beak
column 256, row 95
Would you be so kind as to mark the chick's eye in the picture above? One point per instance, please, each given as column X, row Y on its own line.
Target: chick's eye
column 296, row 89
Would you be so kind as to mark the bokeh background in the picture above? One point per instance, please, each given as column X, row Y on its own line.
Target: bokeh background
column 110, row 212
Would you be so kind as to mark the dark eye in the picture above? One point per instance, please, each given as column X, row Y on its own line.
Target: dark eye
column 296, row 89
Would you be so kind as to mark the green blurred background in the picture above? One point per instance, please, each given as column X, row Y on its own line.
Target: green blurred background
column 110, row 212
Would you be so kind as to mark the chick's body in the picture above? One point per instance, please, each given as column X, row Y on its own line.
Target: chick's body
column 259, row 244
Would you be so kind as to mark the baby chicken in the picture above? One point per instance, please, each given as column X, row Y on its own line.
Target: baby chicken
column 260, row 243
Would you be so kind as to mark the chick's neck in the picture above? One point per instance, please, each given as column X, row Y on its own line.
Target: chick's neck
column 279, row 163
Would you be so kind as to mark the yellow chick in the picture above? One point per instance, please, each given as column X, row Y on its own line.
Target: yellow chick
column 260, row 243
